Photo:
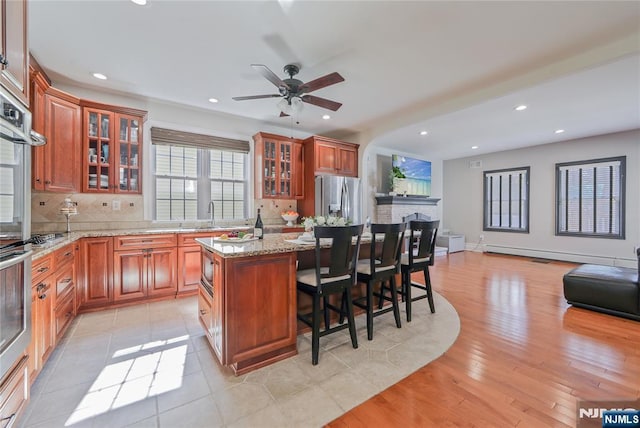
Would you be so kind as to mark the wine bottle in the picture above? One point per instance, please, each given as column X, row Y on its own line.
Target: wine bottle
column 258, row 228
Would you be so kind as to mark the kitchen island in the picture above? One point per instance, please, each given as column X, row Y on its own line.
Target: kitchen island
column 247, row 300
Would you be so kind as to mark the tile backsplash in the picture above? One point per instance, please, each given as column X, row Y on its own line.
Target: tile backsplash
column 95, row 212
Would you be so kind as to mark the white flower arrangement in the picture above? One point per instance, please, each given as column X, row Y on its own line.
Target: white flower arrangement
column 310, row 222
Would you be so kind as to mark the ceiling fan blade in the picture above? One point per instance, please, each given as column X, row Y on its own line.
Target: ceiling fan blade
column 256, row 97
column 270, row 75
column 321, row 102
column 321, row 82
column 283, row 114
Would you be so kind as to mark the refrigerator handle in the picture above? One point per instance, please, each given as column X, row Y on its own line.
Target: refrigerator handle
column 346, row 209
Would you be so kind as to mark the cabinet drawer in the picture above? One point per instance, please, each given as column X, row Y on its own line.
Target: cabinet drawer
column 64, row 282
column 64, row 313
column 189, row 239
column 13, row 394
column 41, row 268
column 63, row 255
column 141, row 242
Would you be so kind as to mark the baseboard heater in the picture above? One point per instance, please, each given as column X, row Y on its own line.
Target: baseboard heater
column 561, row 255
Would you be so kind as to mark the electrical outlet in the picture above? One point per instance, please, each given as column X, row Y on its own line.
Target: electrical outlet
column 481, row 237
column 115, row 205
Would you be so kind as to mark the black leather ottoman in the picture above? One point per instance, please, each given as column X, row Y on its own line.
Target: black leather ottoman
column 609, row 289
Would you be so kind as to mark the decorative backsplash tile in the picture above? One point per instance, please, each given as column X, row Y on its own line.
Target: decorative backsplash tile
column 95, row 212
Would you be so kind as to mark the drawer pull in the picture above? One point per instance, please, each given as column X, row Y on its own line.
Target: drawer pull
column 68, row 254
column 9, row 419
column 42, row 296
column 66, row 281
column 203, row 312
column 43, row 269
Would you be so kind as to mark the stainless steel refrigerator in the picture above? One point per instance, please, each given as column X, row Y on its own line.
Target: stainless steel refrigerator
column 340, row 196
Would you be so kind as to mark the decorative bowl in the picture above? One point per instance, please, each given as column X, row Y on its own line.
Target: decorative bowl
column 290, row 218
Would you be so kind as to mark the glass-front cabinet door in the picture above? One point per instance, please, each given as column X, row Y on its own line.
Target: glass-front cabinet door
column 128, row 160
column 285, row 169
column 99, row 151
column 270, row 173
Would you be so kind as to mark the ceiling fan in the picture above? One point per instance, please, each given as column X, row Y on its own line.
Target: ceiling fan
column 294, row 92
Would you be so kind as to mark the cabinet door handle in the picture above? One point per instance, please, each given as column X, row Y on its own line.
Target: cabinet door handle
column 37, row 180
column 68, row 254
column 42, row 296
column 203, row 312
column 9, row 419
column 47, row 182
column 39, row 287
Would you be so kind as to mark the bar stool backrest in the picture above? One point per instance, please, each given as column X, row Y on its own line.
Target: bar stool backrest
column 424, row 232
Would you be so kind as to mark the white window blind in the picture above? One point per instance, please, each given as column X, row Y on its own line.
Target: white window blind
column 188, row 177
column 506, row 200
column 590, row 198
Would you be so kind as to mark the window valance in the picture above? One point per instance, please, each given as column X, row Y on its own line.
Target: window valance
column 163, row 136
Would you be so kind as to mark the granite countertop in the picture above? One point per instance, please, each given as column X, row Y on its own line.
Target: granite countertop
column 68, row 238
column 271, row 244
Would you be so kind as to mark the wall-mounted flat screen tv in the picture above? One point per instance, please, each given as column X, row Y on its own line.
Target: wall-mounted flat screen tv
column 417, row 172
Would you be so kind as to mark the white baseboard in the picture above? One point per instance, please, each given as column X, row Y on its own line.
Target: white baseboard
column 554, row 255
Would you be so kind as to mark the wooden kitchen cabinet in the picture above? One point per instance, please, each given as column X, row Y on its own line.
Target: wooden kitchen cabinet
column 212, row 294
column 96, row 261
column 144, row 266
column 189, row 261
column 246, row 295
column 57, row 116
column 43, row 335
column 329, row 156
column 279, row 167
column 14, row 67
column 325, row 156
column 14, row 393
column 112, row 149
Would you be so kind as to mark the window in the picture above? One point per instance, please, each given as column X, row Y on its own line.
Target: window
column 590, row 198
column 506, row 200
column 191, row 170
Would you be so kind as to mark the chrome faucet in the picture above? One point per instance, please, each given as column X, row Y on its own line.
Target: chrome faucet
column 213, row 220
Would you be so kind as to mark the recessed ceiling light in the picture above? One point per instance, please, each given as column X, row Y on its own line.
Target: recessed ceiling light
column 211, row 100
column 326, row 117
column 559, row 131
column 423, row 132
column 100, row 76
column 474, row 147
column 140, row 2
column 521, row 107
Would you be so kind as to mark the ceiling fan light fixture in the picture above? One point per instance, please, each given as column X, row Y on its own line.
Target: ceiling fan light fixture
column 290, row 106
column 284, row 106
column 297, row 104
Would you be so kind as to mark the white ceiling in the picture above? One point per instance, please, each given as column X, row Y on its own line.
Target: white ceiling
column 453, row 68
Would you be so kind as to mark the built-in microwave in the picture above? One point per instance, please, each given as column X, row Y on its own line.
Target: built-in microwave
column 16, row 140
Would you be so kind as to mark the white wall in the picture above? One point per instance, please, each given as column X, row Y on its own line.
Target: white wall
column 462, row 201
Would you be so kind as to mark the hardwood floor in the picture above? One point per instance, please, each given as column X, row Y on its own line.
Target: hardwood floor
column 523, row 358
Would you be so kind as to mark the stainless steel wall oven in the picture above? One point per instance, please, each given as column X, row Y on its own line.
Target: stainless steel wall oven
column 16, row 139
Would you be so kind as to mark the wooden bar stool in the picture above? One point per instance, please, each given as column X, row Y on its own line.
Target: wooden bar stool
column 336, row 276
column 381, row 267
column 420, row 255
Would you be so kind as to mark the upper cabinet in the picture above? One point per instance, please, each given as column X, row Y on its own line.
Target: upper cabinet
column 91, row 147
column 112, row 148
column 333, row 157
column 279, row 167
column 56, row 115
column 13, row 48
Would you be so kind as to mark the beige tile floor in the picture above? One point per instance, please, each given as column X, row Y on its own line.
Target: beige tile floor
column 150, row 366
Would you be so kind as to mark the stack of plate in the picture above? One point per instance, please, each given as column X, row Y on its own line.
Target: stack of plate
column 104, row 180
